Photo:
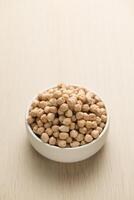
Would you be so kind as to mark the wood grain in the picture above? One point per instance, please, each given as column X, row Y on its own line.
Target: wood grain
column 89, row 43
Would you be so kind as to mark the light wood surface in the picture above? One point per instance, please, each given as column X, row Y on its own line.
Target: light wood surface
column 90, row 43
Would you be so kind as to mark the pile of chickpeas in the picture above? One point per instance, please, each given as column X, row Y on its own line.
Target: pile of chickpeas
column 67, row 116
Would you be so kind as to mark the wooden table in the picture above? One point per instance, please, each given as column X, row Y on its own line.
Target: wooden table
column 90, row 43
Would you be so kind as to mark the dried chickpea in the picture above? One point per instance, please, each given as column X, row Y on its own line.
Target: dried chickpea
column 45, row 137
column 60, row 112
column 48, row 125
column 102, row 125
column 40, row 130
column 71, row 101
column 61, row 118
column 94, row 124
column 67, row 121
column 55, row 128
column 95, row 133
column 103, row 111
column 44, row 118
column 56, row 121
column 99, row 129
column 50, row 117
column 52, row 140
column 40, row 112
column 39, row 123
column 100, row 104
column 56, row 134
column 83, row 130
column 88, row 124
column 73, row 133
column 86, row 116
column 88, row 138
column 53, row 102
column 34, row 112
column 85, row 108
column 77, row 107
column 61, row 143
column 74, row 144
column 49, row 131
column 69, row 140
column 80, row 137
column 72, row 126
column 92, row 117
column 83, row 142
column 35, row 103
column 79, row 115
column 64, row 107
column 57, row 94
column 53, row 109
column 73, row 118
column 64, row 128
column 69, row 113
column 82, row 98
column 60, row 101
column 46, row 109
column 30, row 119
column 104, row 118
column 98, row 120
column 35, row 128
column 63, row 135
column 81, row 123
column 42, row 104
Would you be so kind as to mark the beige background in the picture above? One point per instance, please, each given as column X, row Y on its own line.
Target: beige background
column 86, row 42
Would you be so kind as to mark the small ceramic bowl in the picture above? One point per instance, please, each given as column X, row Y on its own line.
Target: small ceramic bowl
column 67, row 155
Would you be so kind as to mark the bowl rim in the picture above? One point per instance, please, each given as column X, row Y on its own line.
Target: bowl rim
column 66, row 148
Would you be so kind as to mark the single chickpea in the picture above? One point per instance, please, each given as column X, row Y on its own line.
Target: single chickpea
column 74, row 144
column 72, row 126
column 80, row 137
column 40, row 112
column 30, row 119
column 50, row 117
column 104, row 118
column 79, row 115
column 82, row 98
column 102, row 125
column 86, row 116
column 39, row 123
column 81, row 123
column 83, row 130
column 45, row 137
column 42, row 104
column 53, row 109
column 65, row 96
column 69, row 140
column 35, row 128
column 49, row 131
column 53, row 102
column 73, row 118
column 61, row 118
column 103, row 111
column 55, row 128
column 95, row 133
column 77, row 107
column 73, row 133
column 60, row 101
column 40, row 130
column 97, row 99
column 85, row 108
column 35, row 103
column 99, row 129
column 63, row 135
column 43, row 118
column 83, row 142
column 88, row 138
column 56, row 121
column 94, row 124
column 98, row 120
column 64, row 107
column 46, row 109
column 71, row 101
column 34, row 112
column 56, row 134
column 57, row 94
column 67, row 121
column 89, row 131
column 100, row 104
column 61, row 143
column 48, row 125
column 60, row 112
column 92, row 117
column 52, row 140
column 88, row 124
column 94, row 108
column 69, row 113
column 89, row 99
column 64, row 128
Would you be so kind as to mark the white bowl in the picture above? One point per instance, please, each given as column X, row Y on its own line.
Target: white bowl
column 67, row 155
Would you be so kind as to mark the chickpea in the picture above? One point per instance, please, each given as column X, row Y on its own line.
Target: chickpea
column 56, row 134
column 61, row 118
column 73, row 118
column 79, row 115
column 69, row 113
column 35, row 128
column 98, row 120
column 72, row 126
column 46, row 109
column 74, row 144
column 53, row 109
column 56, row 121
column 85, row 108
column 55, row 128
column 99, row 129
column 103, row 111
column 71, row 101
column 102, row 125
column 82, row 98
column 52, row 141
column 92, row 117
column 45, row 137
column 86, row 116
column 39, row 123
column 88, row 138
column 83, row 130
column 60, row 112
column 57, row 94
column 80, row 137
column 30, row 119
column 64, row 107
column 60, row 101
column 40, row 130
column 48, row 125
column 44, row 118
column 73, row 133
column 65, row 96
column 50, row 117
column 88, row 124
column 49, row 131
column 81, row 123
column 63, row 135
column 94, row 124
column 104, row 118
column 97, row 98
column 34, row 112
column 83, row 142
column 95, row 133
column 53, row 102
column 100, row 104
column 61, row 143
column 77, row 107
column 64, row 128
column 42, row 104
column 69, row 140
column 35, row 103
column 40, row 112
column 67, row 121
